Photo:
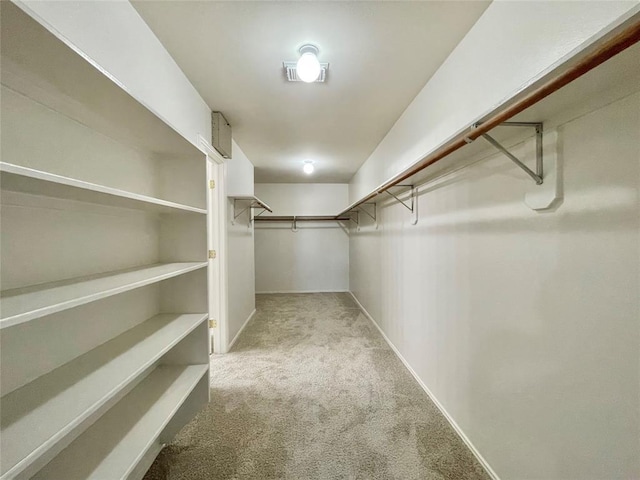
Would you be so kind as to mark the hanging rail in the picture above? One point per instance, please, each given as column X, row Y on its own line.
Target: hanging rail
column 307, row 218
column 618, row 39
column 294, row 219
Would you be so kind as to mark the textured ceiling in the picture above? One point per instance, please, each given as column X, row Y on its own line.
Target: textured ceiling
column 380, row 54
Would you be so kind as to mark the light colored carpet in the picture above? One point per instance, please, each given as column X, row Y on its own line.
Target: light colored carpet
column 312, row 391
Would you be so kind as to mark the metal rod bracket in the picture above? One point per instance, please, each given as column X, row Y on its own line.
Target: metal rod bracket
column 373, row 214
column 412, row 206
column 237, row 213
column 537, row 176
column 409, row 206
column 253, row 204
column 354, row 216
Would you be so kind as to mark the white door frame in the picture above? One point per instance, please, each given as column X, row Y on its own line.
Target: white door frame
column 216, row 240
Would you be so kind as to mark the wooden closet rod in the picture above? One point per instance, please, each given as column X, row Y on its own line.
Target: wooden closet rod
column 307, row 218
column 620, row 38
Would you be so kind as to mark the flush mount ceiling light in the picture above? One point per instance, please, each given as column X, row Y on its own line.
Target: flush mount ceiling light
column 307, row 69
column 308, row 167
column 308, row 66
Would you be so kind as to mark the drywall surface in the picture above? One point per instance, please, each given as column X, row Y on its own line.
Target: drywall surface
column 313, row 259
column 241, row 276
column 524, row 325
column 240, row 251
column 512, row 43
column 239, row 171
column 113, row 36
column 304, row 198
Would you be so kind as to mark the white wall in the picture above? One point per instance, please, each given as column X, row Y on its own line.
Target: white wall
column 113, row 37
column 524, row 326
column 509, row 45
column 313, row 259
column 239, row 173
column 240, row 250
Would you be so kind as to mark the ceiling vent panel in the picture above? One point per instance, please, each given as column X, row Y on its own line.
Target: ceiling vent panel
column 292, row 76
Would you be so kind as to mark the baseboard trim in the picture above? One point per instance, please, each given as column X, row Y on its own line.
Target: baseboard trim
column 302, row 291
column 246, row 322
column 433, row 398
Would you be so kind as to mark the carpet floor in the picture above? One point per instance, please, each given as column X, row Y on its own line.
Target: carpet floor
column 312, row 391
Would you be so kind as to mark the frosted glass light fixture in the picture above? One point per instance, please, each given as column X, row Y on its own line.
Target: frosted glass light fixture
column 308, row 167
column 308, row 67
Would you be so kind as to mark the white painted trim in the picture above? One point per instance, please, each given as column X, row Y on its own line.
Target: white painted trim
column 207, row 148
column 302, row 291
column 433, row 398
column 222, row 255
column 216, row 240
column 246, row 322
column 213, row 272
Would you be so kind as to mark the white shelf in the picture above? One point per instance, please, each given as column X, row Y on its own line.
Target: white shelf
column 24, row 304
column 41, row 418
column 254, row 202
column 27, row 180
column 100, row 194
column 114, row 445
column 39, row 65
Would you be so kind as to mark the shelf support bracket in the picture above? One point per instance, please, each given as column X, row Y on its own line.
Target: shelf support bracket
column 412, row 206
column 237, row 213
column 252, row 204
column 537, row 176
column 372, row 213
column 262, row 210
column 354, row 216
column 294, row 225
column 408, row 206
